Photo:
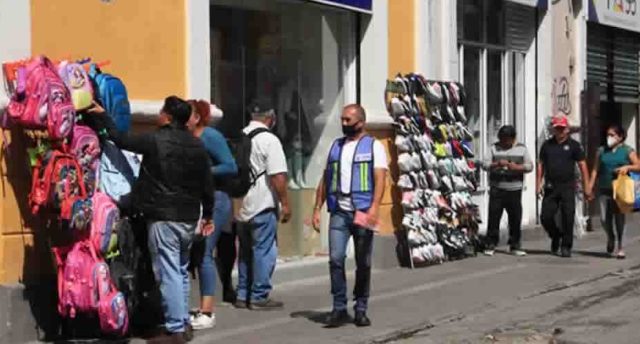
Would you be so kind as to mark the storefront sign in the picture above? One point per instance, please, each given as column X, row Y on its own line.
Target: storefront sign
column 355, row 5
column 539, row 3
column 618, row 13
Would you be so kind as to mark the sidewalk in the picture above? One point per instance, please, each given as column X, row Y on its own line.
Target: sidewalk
column 406, row 300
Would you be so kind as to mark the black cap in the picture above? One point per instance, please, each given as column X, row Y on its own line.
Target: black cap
column 260, row 105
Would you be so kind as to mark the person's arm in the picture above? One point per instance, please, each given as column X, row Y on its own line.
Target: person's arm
column 219, row 151
column 489, row 163
column 525, row 167
column 279, row 182
column 634, row 165
column 540, row 171
column 100, row 121
column 580, row 158
column 379, row 175
column 594, row 172
column 277, row 172
column 321, row 197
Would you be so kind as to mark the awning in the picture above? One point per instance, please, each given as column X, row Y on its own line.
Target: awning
column 354, row 5
column 534, row 3
column 623, row 14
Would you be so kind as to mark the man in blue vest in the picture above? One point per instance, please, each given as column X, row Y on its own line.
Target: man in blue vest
column 352, row 185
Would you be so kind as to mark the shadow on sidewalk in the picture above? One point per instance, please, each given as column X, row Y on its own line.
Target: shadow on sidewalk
column 313, row 316
column 597, row 254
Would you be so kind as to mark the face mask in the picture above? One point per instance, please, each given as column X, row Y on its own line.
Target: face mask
column 350, row 130
column 611, row 141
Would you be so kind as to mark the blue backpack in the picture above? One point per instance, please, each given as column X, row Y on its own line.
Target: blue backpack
column 112, row 94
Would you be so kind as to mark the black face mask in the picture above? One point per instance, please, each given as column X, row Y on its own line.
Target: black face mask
column 351, row 130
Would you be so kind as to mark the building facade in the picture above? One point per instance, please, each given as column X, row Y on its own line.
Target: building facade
column 519, row 60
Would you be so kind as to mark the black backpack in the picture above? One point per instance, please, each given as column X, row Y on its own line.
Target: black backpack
column 240, row 146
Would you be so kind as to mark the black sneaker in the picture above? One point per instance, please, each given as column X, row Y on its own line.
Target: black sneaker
column 188, row 333
column 266, row 305
column 555, row 246
column 337, row 318
column 565, row 253
column 229, row 296
column 362, row 320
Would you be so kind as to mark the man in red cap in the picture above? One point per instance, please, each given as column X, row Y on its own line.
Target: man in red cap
column 557, row 162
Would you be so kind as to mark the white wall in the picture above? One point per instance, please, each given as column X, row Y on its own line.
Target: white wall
column 198, row 50
column 374, row 63
column 15, row 35
column 436, row 39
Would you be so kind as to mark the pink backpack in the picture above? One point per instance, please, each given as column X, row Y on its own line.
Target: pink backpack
column 75, row 77
column 85, row 145
column 42, row 100
column 105, row 218
column 113, row 314
column 83, row 279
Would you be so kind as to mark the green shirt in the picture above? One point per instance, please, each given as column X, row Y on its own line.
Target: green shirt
column 610, row 161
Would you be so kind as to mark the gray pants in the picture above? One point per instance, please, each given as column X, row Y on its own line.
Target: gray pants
column 609, row 216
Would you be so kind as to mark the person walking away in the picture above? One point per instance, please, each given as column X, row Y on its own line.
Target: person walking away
column 352, row 185
column 223, row 165
column 265, row 201
column 558, row 158
column 175, row 180
column 508, row 163
column 614, row 159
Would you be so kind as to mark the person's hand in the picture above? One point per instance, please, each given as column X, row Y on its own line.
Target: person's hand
column 315, row 219
column 623, row 170
column 539, row 191
column 207, row 227
column 588, row 195
column 372, row 216
column 503, row 163
column 285, row 213
column 96, row 109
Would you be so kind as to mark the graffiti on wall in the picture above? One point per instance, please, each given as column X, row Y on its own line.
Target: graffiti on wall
column 561, row 95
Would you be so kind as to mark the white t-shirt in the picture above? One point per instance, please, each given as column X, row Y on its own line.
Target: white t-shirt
column 267, row 156
column 346, row 161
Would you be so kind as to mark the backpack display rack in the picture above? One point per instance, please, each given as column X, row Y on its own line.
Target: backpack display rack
column 47, row 100
column 437, row 169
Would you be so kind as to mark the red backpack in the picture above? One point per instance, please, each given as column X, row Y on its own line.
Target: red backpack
column 57, row 182
column 41, row 100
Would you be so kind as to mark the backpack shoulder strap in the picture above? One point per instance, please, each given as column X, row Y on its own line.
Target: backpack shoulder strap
column 255, row 132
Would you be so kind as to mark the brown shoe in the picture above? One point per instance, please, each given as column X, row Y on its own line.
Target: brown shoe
column 168, row 338
column 188, row 333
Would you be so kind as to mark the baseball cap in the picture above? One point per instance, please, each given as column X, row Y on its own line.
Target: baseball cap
column 260, row 105
column 559, row 121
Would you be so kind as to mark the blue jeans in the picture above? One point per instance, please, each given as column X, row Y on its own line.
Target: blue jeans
column 341, row 227
column 207, row 271
column 169, row 245
column 258, row 257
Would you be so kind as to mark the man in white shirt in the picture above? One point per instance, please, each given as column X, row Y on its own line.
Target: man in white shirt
column 352, row 185
column 258, row 216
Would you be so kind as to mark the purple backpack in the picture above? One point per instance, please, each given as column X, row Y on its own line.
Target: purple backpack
column 104, row 220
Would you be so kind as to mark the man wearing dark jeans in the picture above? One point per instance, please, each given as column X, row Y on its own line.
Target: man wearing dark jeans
column 352, row 185
column 558, row 158
column 508, row 163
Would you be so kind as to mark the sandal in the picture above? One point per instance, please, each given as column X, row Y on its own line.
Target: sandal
column 621, row 255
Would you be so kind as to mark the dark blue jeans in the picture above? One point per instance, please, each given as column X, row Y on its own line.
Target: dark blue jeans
column 258, row 257
column 208, row 272
column 341, row 228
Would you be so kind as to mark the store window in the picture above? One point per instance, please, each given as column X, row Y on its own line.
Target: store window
column 493, row 37
column 298, row 56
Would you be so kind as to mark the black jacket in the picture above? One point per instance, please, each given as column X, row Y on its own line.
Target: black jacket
column 175, row 176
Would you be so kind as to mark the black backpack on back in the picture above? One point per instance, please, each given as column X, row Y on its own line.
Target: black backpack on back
column 240, row 146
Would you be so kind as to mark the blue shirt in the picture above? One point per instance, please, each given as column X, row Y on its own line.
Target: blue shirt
column 219, row 152
column 610, row 161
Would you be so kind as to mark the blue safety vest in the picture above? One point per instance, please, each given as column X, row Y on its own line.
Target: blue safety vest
column 361, row 192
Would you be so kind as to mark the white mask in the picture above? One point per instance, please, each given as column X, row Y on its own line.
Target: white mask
column 611, row 141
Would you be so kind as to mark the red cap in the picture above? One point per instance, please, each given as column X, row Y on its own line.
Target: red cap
column 559, row 121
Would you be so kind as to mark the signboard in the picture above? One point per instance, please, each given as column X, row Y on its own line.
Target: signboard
column 622, row 14
column 539, row 3
column 354, row 5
